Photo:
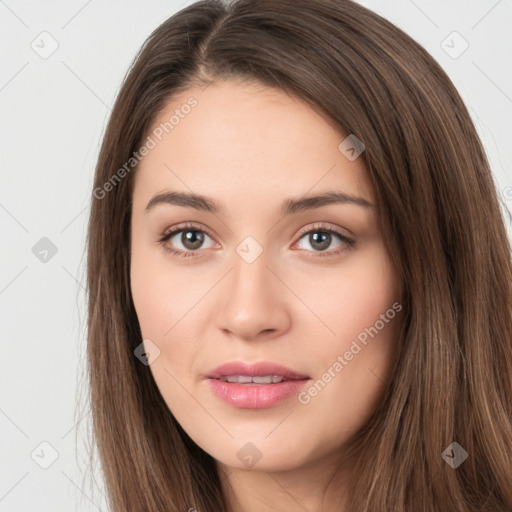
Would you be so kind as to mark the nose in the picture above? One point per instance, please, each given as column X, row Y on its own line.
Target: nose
column 252, row 302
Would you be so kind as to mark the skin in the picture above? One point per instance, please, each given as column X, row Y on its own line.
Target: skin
column 250, row 147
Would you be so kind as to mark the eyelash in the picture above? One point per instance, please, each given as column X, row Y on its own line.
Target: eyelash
column 317, row 228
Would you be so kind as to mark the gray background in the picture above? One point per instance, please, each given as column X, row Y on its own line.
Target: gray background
column 54, row 110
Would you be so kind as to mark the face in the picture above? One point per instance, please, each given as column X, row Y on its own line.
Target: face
column 234, row 263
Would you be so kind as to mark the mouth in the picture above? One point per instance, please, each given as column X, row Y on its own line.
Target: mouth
column 261, row 380
column 255, row 386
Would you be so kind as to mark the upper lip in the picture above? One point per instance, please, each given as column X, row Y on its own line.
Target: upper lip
column 259, row 369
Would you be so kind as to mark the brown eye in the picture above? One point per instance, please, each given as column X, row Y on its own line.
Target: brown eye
column 192, row 239
column 185, row 241
column 321, row 238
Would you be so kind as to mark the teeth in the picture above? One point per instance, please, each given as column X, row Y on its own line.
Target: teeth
column 246, row 379
column 263, row 380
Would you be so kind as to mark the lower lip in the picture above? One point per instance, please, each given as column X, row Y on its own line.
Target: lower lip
column 255, row 396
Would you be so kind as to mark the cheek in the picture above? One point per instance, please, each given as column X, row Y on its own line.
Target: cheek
column 162, row 294
column 350, row 298
column 356, row 354
column 150, row 295
column 166, row 301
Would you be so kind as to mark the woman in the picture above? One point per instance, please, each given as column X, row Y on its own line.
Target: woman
column 300, row 282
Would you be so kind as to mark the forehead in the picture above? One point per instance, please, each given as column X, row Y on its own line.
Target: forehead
column 246, row 141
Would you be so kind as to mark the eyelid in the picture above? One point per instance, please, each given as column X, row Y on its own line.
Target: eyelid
column 192, row 226
column 324, row 226
column 199, row 227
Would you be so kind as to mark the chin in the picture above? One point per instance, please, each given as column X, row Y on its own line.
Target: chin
column 258, row 454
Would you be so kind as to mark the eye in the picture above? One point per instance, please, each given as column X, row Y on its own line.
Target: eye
column 190, row 237
column 321, row 237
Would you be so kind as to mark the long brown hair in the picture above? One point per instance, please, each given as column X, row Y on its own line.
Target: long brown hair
column 441, row 220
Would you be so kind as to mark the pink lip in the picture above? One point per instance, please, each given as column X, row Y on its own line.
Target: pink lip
column 255, row 396
column 259, row 369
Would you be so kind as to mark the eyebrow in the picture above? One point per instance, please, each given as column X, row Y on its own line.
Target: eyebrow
column 289, row 206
